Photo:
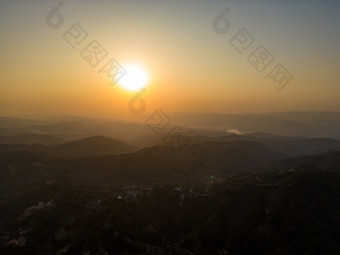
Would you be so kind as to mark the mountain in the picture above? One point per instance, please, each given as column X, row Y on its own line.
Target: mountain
column 198, row 192
column 30, row 139
column 288, row 146
column 329, row 161
column 91, row 146
column 273, row 213
column 307, row 124
column 295, row 146
column 97, row 145
column 100, row 160
column 139, row 134
column 71, row 128
column 237, row 156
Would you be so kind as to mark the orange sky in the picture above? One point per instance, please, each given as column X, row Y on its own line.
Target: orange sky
column 191, row 67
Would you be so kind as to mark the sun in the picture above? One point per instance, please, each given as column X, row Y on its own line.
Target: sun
column 135, row 78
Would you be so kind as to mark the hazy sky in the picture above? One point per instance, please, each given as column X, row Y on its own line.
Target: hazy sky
column 191, row 66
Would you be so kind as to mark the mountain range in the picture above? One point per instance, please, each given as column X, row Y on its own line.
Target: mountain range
column 64, row 189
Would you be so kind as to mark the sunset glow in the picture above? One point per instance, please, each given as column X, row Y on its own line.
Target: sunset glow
column 169, row 127
column 135, row 78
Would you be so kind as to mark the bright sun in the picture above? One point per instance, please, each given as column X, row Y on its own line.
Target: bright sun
column 135, row 78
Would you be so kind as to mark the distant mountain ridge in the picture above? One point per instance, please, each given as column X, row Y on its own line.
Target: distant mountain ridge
column 307, row 124
column 31, row 139
column 289, row 146
column 96, row 145
column 294, row 124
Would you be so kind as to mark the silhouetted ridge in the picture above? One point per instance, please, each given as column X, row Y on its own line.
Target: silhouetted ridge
column 92, row 146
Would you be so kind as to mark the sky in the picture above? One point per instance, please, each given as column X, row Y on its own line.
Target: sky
column 197, row 59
